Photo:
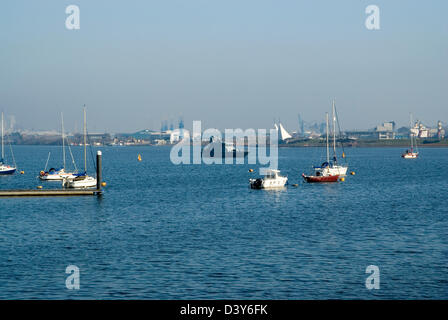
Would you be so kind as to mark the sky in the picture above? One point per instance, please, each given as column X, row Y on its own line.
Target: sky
column 228, row 63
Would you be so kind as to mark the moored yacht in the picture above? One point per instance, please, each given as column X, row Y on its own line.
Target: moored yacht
column 81, row 180
column 4, row 168
column 330, row 170
column 411, row 153
column 55, row 174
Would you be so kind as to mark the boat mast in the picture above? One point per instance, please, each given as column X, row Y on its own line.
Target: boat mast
column 411, row 135
column 63, row 140
column 85, row 141
column 3, row 152
column 328, row 146
column 334, row 130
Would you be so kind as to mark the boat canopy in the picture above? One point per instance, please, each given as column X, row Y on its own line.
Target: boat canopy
column 322, row 166
column 82, row 174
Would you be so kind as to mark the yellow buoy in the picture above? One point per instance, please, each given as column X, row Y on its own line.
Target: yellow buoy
column 139, row 157
column 39, row 187
column 342, row 179
column 251, row 170
column 22, row 172
column 352, row 173
column 103, row 184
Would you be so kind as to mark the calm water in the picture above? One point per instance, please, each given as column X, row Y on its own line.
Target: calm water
column 162, row 231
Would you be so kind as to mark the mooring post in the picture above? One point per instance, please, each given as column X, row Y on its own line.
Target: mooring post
column 98, row 170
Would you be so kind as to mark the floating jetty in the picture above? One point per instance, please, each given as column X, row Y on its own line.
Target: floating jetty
column 48, row 193
column 60, row 192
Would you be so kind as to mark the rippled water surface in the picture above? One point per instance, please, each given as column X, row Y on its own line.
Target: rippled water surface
column 162, row 231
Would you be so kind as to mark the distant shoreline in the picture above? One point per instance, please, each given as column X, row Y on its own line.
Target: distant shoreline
column 371, row 144
column 287, row 145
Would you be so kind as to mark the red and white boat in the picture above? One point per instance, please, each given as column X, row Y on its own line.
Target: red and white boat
column 330, row 170
column 317, row 178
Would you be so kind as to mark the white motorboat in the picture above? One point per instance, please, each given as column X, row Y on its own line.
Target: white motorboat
column 272, row 180
column 4, row 168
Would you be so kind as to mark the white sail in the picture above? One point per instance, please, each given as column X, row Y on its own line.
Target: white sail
column 283, row 133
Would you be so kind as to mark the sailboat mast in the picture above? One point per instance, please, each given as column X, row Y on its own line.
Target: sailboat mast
column 334, row 130
column 85, row 140
column 411, row 135
column 328, row 146
column 3, row 152
column 63, row 139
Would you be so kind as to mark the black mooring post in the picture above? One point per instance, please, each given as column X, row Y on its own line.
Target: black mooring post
column 98, row 170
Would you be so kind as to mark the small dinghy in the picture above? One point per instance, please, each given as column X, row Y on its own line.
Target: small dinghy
column 272, row 180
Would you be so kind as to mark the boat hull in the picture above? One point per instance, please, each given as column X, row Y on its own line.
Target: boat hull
column 268, row 182
column 6, row 171
column 320, row 179
column 412, row 155
column 80, row 183
column 56, row 177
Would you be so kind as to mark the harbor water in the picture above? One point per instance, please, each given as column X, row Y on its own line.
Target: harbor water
column 165, row 231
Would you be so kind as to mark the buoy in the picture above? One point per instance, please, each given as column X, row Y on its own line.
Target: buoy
column 295, row 185
column 103, row 184
column 39, row 187
column 22, row 172
column 342, row 179
column 139, row 157
column 251, row 170
column 352, row 173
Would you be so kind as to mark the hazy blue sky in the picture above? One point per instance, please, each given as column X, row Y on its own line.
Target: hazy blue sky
column 228, row 63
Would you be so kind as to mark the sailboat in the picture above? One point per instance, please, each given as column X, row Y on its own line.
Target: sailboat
column 283, row 135
column 81, row 180
column 330, row 170
column 57, row 174
column 4, row 168
column 410, row 153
